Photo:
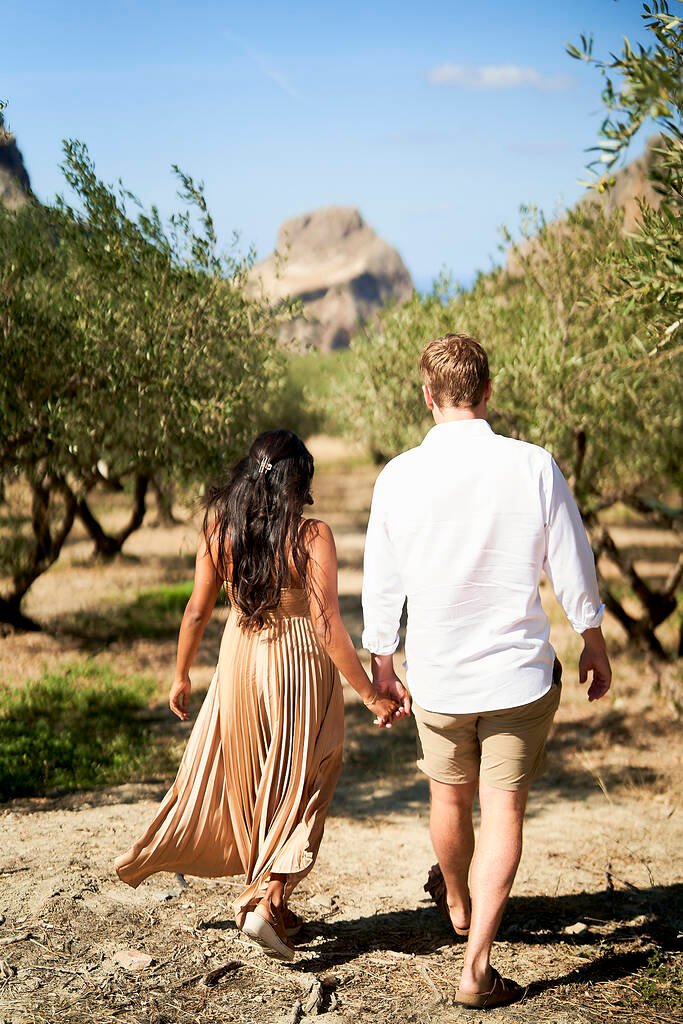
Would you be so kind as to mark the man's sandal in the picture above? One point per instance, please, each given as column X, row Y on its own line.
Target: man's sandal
column 265, row 926
column 503, row 991
column 436, row 887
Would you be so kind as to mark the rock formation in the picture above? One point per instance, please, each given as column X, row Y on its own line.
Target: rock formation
column 15, row 187
column 632, row 185
column 340, row 270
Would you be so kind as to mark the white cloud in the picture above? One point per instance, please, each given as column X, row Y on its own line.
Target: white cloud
column 495, row 76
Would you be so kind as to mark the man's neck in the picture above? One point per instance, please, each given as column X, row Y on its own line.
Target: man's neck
column 455, row 413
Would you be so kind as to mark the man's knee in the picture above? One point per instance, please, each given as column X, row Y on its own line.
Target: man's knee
column 455, row 795
column 508, row 802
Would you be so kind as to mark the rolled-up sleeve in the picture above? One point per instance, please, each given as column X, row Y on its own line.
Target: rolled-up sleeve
column 383, row 590
column 569, row 562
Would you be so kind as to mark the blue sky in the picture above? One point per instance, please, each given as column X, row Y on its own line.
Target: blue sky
column 436, row 119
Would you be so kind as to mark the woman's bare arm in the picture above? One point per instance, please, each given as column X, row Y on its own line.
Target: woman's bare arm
column 328, row 621
column 198, row 610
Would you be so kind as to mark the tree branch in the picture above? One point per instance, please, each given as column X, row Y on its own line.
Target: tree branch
column 109, row 544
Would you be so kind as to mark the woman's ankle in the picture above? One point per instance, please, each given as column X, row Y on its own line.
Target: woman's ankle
column 275, row 900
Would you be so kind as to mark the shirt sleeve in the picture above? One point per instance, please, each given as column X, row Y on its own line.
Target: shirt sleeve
column 383, row 591
column 569, row 562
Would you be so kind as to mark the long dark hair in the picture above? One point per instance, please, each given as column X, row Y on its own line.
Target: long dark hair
column 252, row 522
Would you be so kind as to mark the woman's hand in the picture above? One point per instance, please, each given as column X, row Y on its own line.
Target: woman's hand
column 383, row 708
column 387, row 684
column 179, row 698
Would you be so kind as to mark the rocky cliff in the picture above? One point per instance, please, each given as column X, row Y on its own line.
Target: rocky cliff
column 15, row 186
column 340, row 270
column 632, row 185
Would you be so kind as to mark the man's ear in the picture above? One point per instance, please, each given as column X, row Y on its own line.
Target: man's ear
column 487, row 391
column 429, row 401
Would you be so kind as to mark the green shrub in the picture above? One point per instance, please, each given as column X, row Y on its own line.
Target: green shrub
column 76, row 727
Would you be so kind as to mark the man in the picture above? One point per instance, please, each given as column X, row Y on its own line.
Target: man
column 463, row 526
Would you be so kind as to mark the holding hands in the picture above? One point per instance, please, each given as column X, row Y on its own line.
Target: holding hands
column 384, row 709
column 390, row 689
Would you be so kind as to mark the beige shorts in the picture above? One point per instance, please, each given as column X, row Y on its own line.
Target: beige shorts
column 506, row 749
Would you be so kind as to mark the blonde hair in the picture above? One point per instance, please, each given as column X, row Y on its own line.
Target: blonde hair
column 456, row 370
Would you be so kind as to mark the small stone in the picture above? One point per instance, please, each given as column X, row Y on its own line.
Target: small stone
column 324, row 902
column 170, row 894
column 133, row 959
column 638, row 922
column 2, row 918
column 575, row 929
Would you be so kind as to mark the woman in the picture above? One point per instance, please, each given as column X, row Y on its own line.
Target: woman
column 263, row 759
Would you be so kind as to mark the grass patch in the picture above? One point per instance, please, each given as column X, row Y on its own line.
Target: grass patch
column 154, row 614
column 169, row 599
column 661, row 983
column 73, row 728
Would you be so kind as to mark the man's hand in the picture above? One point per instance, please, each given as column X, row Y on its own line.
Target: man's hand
column 179, row 698
column 388, row 685
column 594, row 659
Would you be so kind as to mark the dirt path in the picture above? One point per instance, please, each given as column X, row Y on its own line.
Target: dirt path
column 592, row 927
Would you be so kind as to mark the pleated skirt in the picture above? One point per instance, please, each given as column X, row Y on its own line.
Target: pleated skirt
column 261, row 764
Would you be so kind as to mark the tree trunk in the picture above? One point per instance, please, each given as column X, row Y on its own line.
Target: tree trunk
column 12, row 615
column 109, row 544
column 164, row 494
column 48, row 540
column 657, row 605
column 639, row 631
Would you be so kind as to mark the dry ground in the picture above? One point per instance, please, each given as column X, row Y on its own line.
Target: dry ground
column 595, row 917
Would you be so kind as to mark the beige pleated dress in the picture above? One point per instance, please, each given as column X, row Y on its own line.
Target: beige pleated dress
column 261, row 764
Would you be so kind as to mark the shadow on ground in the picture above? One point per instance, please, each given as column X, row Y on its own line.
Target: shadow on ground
column 615, row 919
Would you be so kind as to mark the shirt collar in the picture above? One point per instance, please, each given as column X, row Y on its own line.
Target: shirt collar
column 458, row 429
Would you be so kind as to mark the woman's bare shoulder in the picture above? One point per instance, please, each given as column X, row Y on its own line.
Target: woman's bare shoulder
column 217, row 549
column 316, row 531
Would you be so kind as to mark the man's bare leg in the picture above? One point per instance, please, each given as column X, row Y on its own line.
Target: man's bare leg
column 450, row 825
column 494, row 866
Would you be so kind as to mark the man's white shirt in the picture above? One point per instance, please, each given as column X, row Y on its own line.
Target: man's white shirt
column 463, row 526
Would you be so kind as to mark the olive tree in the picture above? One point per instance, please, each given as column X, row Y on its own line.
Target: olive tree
column 40, row 380
column 644, row 87
column 375, row 397
column 133, row 355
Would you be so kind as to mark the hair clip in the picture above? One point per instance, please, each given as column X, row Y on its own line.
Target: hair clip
column 265, row 466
